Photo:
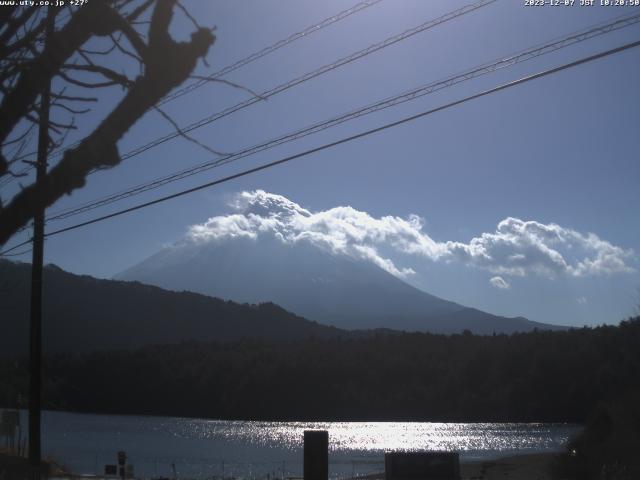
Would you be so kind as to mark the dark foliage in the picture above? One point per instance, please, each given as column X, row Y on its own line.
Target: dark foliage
column 537, row 376
column 608, row 446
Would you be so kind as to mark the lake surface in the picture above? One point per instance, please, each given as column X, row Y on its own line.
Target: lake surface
column 212, row 448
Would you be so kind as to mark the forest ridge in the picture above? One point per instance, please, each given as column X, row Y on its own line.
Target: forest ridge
column 530, row 377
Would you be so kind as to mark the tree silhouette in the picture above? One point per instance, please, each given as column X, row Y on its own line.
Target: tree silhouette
column 134, row 29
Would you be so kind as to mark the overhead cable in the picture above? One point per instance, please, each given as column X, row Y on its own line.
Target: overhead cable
column 410, row 95
column 229, row 68
column 366, row 133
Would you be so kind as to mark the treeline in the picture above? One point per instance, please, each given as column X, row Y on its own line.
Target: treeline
column 537, row 376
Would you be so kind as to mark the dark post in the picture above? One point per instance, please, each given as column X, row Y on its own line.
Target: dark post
column 316, row 455
column 35, row 358
column 122, row 460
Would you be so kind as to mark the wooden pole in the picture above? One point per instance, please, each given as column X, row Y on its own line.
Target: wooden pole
column 35, row 352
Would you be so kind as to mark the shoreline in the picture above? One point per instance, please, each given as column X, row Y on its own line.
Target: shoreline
column 527, row 466
column 24, row 410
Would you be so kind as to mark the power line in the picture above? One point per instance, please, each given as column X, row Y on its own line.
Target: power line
column 28, row 250
column 5, row 253
column 10, row 178
column 234, row 66
column 524, row 55
column 353, row 137
column 311, row 75
column 301, row 79
column 271, row 48
column 341, row 141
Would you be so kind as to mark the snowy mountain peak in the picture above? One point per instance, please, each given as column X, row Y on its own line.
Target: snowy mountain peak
column 325, row 266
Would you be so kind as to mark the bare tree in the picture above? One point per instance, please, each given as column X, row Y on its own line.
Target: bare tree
column 136, row 30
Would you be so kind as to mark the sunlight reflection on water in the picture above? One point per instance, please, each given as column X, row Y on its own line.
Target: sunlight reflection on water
column 273, row 450
column 383, row 436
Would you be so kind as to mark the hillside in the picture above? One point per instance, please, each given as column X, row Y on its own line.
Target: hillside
column 82, row 313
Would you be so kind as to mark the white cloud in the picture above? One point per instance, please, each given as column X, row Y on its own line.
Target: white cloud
column 520, row 247
column 515, row 248
column 582, row 300
column 500, row 283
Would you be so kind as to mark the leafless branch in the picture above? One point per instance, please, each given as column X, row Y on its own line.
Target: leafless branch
column 82, row 84
column 109, row 74
column 13, row 25
column 139, row 11
column 184, row 134
column 125, row 51
column 187, row 14
column 26, row 138
column 16, row 155
column 60, row 142
column 231, row 84
column 69, row 109
column 167, row 64
column 10, row 142
column 86, row 51
column 68, row 98
column 61, row 126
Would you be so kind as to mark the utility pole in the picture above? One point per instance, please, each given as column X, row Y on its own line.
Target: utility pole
column 35, row 352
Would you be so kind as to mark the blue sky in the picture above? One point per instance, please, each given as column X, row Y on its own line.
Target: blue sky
column 560, row 151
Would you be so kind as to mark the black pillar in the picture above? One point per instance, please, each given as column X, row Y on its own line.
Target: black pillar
column 316, row 455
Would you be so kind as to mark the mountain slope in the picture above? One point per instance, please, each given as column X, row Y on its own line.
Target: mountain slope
column 82, row 313
column 314, row 283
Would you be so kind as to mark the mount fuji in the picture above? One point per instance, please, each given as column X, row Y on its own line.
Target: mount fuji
column 270, row 252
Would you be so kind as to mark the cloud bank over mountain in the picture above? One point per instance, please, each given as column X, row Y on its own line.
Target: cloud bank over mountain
column 515, row 248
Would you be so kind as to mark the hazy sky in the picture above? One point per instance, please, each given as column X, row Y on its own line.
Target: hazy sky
column 542, row 177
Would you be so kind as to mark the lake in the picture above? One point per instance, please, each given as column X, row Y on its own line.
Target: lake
column 202, row 448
